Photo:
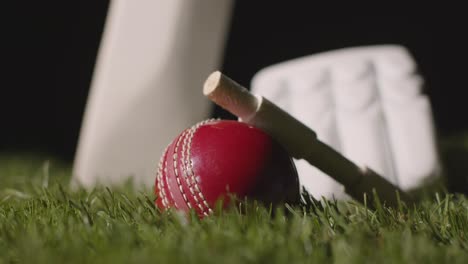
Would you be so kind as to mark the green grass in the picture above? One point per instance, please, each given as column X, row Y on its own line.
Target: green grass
column 43, row 221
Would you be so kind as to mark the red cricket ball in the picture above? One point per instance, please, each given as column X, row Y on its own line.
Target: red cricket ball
column 216, row 158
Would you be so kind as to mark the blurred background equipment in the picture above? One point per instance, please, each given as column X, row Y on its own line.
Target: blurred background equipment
column 153, row 59
column 365, row 102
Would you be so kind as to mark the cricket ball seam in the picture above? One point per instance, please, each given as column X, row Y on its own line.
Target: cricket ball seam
column 164, row 182
column 190, row 164
column 165, row 199
column 176, row 172
column 185, row 163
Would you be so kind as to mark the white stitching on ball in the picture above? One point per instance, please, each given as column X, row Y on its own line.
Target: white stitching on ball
column 185, row 173
column 176, row 171
column 189, row 164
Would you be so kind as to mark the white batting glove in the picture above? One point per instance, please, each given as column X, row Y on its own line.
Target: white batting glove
column 365, row 102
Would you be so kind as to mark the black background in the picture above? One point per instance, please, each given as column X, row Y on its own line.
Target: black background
column 49, row 48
